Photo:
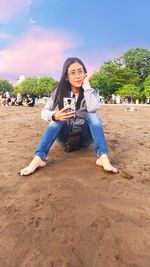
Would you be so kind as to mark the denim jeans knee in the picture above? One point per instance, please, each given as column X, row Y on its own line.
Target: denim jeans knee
column 97, row 133
column 48, row 139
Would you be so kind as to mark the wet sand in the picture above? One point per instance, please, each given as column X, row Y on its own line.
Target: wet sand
column 72, row 213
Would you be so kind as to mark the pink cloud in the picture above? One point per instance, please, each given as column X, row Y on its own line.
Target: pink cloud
column 38, row 52
column 10, row 8
column 5, row 36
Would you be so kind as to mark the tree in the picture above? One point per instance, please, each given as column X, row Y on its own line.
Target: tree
column 28, row 85
column 129, row 90
column 138, row 59
column 45, row 85
column 100, row 81
column 6, row 85
column 111, row 77
column 105, row 80
column 146, row 84
column 36, row 86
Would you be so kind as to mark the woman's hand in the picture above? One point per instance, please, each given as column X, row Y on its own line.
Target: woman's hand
column 87, row 77
column 86, row 83
column 63, row 115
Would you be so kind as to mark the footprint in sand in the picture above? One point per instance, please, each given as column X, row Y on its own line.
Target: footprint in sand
column 145, row 181
column 127, row 176
column 114, row 141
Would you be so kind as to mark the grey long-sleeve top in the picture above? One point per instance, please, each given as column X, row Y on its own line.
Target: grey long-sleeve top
column 90, row 103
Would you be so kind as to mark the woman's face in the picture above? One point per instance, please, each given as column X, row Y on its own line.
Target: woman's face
column 76, row 75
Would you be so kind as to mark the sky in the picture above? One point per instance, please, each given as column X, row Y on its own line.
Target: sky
column 36, row 36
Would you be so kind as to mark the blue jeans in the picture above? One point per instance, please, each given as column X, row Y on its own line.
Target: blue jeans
column 92, row 132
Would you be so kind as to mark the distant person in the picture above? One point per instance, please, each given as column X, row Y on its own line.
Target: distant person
column 118, row 100
column 102, row 100
column 0, row 98
column 113, row 99
column 30, row 101
column 18, row 100
column 36, row 100
column 4, row 98
column 74, row 82
column 13, row 99
column 8, row 98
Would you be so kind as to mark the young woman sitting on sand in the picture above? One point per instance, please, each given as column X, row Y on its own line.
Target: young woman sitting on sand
column 74, row 82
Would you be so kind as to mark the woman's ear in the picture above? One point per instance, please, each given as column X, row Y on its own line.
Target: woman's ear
column 66, row 78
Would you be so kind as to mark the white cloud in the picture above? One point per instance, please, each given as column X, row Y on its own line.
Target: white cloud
column 32, row 21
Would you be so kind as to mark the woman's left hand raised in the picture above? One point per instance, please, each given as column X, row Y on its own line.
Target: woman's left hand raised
column 86, row 82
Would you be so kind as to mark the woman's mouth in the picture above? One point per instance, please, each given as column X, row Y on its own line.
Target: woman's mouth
column 78, row 82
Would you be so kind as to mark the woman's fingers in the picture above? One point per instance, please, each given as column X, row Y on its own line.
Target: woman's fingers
column 65, row 108
column 66, row 116
column 69, row 116
column 88, row 76
column 63, row 115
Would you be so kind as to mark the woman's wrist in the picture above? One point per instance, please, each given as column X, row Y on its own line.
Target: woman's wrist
column 86, row 85
column 54, row 116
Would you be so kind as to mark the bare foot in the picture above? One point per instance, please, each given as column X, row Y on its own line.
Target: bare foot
column 105, row 163
column 35, row 163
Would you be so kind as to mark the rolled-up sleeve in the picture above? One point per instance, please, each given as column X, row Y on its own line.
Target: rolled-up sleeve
column 48, row 110
column 92, row 98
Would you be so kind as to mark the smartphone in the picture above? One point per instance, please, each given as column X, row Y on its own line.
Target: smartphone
column 71, row 102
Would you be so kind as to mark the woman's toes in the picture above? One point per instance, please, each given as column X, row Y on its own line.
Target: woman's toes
column 35, row 163
column 113, row 169
column 26, row 171
column 104, row 162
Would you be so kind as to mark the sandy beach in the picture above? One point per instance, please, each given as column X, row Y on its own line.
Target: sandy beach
column 72, row 213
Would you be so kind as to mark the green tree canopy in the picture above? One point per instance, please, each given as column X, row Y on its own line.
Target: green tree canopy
column 138, row 59
column 147, row 86
column 5, row 85
column 45, row 85
column 36, row 86
column 28, row 85
column 111, row 77
column 129, row 90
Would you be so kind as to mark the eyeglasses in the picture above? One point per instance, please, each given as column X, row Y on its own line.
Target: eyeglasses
column 73, row 73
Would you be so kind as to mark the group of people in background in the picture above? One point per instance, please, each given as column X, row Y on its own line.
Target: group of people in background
column 117, row 99
column 30, row 101
column 7, row 100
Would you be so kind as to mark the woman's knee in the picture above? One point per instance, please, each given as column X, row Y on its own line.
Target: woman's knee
column 93, row 117
column 56, row 124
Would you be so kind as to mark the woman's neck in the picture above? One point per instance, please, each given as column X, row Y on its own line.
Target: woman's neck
column 75, row 90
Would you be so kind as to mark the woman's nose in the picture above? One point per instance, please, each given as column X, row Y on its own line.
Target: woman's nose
column 77, row 74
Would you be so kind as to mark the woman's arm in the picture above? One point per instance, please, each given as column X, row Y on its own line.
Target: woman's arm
column 60, row 115
column 49, row 110
column 91, row 95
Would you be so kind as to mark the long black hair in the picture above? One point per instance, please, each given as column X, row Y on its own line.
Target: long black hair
column 64, row 88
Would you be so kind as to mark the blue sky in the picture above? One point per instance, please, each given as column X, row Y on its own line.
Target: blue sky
column 37, row 36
